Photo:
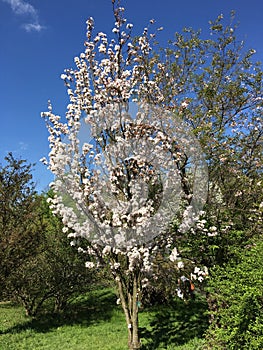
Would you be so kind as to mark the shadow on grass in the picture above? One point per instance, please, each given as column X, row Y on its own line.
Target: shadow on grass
column 88, row 309
column 176, row 324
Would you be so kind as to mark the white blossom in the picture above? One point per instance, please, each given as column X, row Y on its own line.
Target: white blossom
column 180, row 265
column 174, row 255
column 89, row 264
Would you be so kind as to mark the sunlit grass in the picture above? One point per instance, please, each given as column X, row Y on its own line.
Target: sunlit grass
column 95, row 322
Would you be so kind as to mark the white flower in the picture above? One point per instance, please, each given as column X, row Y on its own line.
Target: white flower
column 116, row 266
column 106, row 250
column 193, row 276
column 184, row 104
column 89, row 264
column 197, row 270
column 102, row 48
column 173, row 256
column 212, row 234
column 180, row 265
column 44, row 161
column 180, row 293
column 81, row 250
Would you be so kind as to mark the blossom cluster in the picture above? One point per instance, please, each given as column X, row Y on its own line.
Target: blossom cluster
column 120, row 187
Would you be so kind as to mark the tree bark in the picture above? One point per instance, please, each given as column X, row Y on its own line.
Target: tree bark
column 129, row 304
column 135, row 322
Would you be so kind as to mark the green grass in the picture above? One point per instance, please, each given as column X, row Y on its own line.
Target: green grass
column 95, row 322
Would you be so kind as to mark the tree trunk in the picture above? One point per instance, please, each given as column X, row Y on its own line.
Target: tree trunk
column 135, row 344
column 129, row 302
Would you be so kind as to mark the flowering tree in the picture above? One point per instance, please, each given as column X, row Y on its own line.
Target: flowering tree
column 121, row 187
column 139, row 169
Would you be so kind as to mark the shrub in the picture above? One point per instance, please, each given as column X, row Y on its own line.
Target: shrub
column 238, row 299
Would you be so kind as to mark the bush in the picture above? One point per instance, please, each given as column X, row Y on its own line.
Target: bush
column 236, row 291
column 57, row 271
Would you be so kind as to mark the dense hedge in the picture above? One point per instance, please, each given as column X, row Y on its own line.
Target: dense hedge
column 237, row 294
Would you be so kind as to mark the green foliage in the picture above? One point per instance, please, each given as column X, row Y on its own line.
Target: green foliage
column 236, row 290
column 215, row 86
column 55, row 271
column 19, row 235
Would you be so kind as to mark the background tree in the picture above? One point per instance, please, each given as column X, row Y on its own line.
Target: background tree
column 216, row 88
column 56, row 271
column 18, row 215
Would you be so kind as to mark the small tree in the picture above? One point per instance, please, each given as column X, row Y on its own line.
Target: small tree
column 121, row 189
column 140, row 172
column 56, row 271
column 18, row 215
column 67, row 275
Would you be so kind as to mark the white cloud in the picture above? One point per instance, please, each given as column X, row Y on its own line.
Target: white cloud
column 29, row 27
column 22, row 146
column 20, row 7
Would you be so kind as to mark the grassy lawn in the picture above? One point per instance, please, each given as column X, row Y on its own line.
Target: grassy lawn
column 95, row 322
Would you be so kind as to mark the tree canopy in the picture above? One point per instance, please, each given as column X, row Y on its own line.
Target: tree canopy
column 109, row 188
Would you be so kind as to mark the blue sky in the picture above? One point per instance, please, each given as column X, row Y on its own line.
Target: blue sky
column 39, row 39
